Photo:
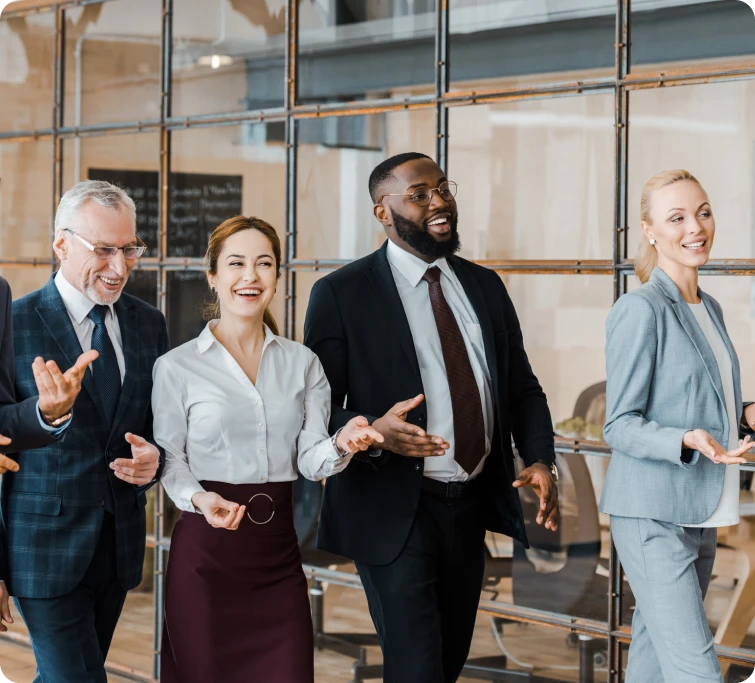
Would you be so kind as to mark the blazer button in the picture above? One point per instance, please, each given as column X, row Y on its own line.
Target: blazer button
column 101, row 502
column 418, row 467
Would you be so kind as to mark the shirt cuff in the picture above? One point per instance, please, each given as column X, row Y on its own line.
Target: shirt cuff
column 48, row 428
column 186, row 496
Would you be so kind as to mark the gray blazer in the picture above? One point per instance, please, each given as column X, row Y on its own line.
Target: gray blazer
column 663, row 381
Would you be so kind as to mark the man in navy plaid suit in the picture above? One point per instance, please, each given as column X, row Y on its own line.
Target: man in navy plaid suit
column 74, row 512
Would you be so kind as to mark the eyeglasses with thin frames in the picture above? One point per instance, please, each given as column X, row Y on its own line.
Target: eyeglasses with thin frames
column 422, row 196
column 105, row 253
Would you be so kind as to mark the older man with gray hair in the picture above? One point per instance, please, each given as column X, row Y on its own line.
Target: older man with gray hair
column 74, row 512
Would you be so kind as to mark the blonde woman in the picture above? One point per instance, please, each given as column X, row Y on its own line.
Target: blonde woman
column 673, row 412
column 241, row 412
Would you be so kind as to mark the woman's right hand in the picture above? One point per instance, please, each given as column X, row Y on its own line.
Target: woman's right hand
column 219, row 512
column 700, row 440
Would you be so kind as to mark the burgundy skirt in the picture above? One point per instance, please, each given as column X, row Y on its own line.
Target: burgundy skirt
column 236, row 602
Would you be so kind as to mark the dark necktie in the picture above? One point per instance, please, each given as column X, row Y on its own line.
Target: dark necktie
column 107, row 375
column 469, row 426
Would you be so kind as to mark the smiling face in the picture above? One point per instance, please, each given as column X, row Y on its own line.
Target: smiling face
column 100, row 280
column 682, row 225
column 429, row 232
column 246, row 274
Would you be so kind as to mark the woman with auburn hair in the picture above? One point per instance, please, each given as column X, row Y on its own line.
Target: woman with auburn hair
column 240, row 412
column 674, row 416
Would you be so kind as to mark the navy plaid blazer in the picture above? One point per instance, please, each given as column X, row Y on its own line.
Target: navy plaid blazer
column 53, row 507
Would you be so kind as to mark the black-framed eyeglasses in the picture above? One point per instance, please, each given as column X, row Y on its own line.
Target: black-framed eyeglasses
column 130, row 252
column 421, row 196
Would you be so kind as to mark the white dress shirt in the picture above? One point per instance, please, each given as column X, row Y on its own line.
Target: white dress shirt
column 407, row 271
column 216, row 425
column 78, row 307
column 727, row 511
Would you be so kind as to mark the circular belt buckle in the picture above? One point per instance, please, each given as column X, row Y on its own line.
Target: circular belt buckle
column 251, row 519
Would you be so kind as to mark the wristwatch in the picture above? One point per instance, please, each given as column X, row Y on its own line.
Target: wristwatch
column 60, row 421
column 334, row 441
column 552, row 468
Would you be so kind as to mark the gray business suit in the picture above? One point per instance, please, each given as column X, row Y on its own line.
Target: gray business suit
column 663, row 380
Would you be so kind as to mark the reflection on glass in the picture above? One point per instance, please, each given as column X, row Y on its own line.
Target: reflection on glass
column 25, row 280
column 363, row 50
column 129, row 161
column 707, row 130
column 26, row 47
column 535, row 178
column 228, row 55
column 223, row 172
column 26, row 199
column 336, row 156
column 492, row 39
column 112, row 62
column 667, row 31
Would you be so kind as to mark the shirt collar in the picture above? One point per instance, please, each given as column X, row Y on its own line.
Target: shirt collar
column 76, row 303
column 412, row 267
column 206, row 338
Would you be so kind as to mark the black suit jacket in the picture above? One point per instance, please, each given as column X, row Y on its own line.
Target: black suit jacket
column 18, row 421
column 356, row 324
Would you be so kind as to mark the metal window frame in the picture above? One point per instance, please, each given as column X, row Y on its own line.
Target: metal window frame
column 441, row 99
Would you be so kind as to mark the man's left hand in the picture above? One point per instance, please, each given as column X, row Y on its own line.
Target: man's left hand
column 5, row 615
column 142, row 467
column 539, row 478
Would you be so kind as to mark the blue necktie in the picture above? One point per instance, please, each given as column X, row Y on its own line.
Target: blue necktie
column 107, row 375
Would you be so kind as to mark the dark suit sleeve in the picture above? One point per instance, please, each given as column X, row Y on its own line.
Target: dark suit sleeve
column 325, row 335
column 531, row 422
column 164, row 347
column 18, row 421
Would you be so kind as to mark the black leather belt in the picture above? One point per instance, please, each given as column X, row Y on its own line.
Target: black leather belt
column 450, row 489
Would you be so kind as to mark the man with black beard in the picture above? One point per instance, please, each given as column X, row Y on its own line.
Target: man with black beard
column 428, row 346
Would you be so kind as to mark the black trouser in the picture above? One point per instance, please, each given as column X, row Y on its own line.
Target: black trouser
column 424, row 603
column 71, row 634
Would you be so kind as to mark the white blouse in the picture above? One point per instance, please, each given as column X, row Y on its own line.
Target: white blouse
column 216, row 425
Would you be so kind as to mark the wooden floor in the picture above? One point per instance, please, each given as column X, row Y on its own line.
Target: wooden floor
column 547, row 652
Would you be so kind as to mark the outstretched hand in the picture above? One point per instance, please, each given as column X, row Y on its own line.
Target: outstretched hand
column 58, row 390
column 357, row 435
column 404, row 438
column 539, row 478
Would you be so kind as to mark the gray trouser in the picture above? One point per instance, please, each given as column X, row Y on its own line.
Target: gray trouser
column 669, row 568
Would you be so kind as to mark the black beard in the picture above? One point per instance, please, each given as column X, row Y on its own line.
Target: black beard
column 419, row 238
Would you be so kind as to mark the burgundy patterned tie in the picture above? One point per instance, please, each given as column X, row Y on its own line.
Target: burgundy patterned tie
column 469, row 426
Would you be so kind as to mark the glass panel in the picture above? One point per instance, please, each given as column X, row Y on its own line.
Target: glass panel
column 668, row 31
column 187, row 293
column 499, row 38
column 222, row 172
column 535, row 178
column 112, row 62
column 26, row 199
column 336, row 157
column 362, row 50
column 129, row 161
column 228, row 56
column 26, row 75
column 143, row 285
column 25, row 280
column 706, row 129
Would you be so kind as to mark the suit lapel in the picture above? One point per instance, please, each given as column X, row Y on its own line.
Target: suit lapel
column 56, row 320
column 477, row 298
column 128, row 323
column 380, row 276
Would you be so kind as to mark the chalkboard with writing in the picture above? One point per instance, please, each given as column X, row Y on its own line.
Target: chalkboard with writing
column 198, row 203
